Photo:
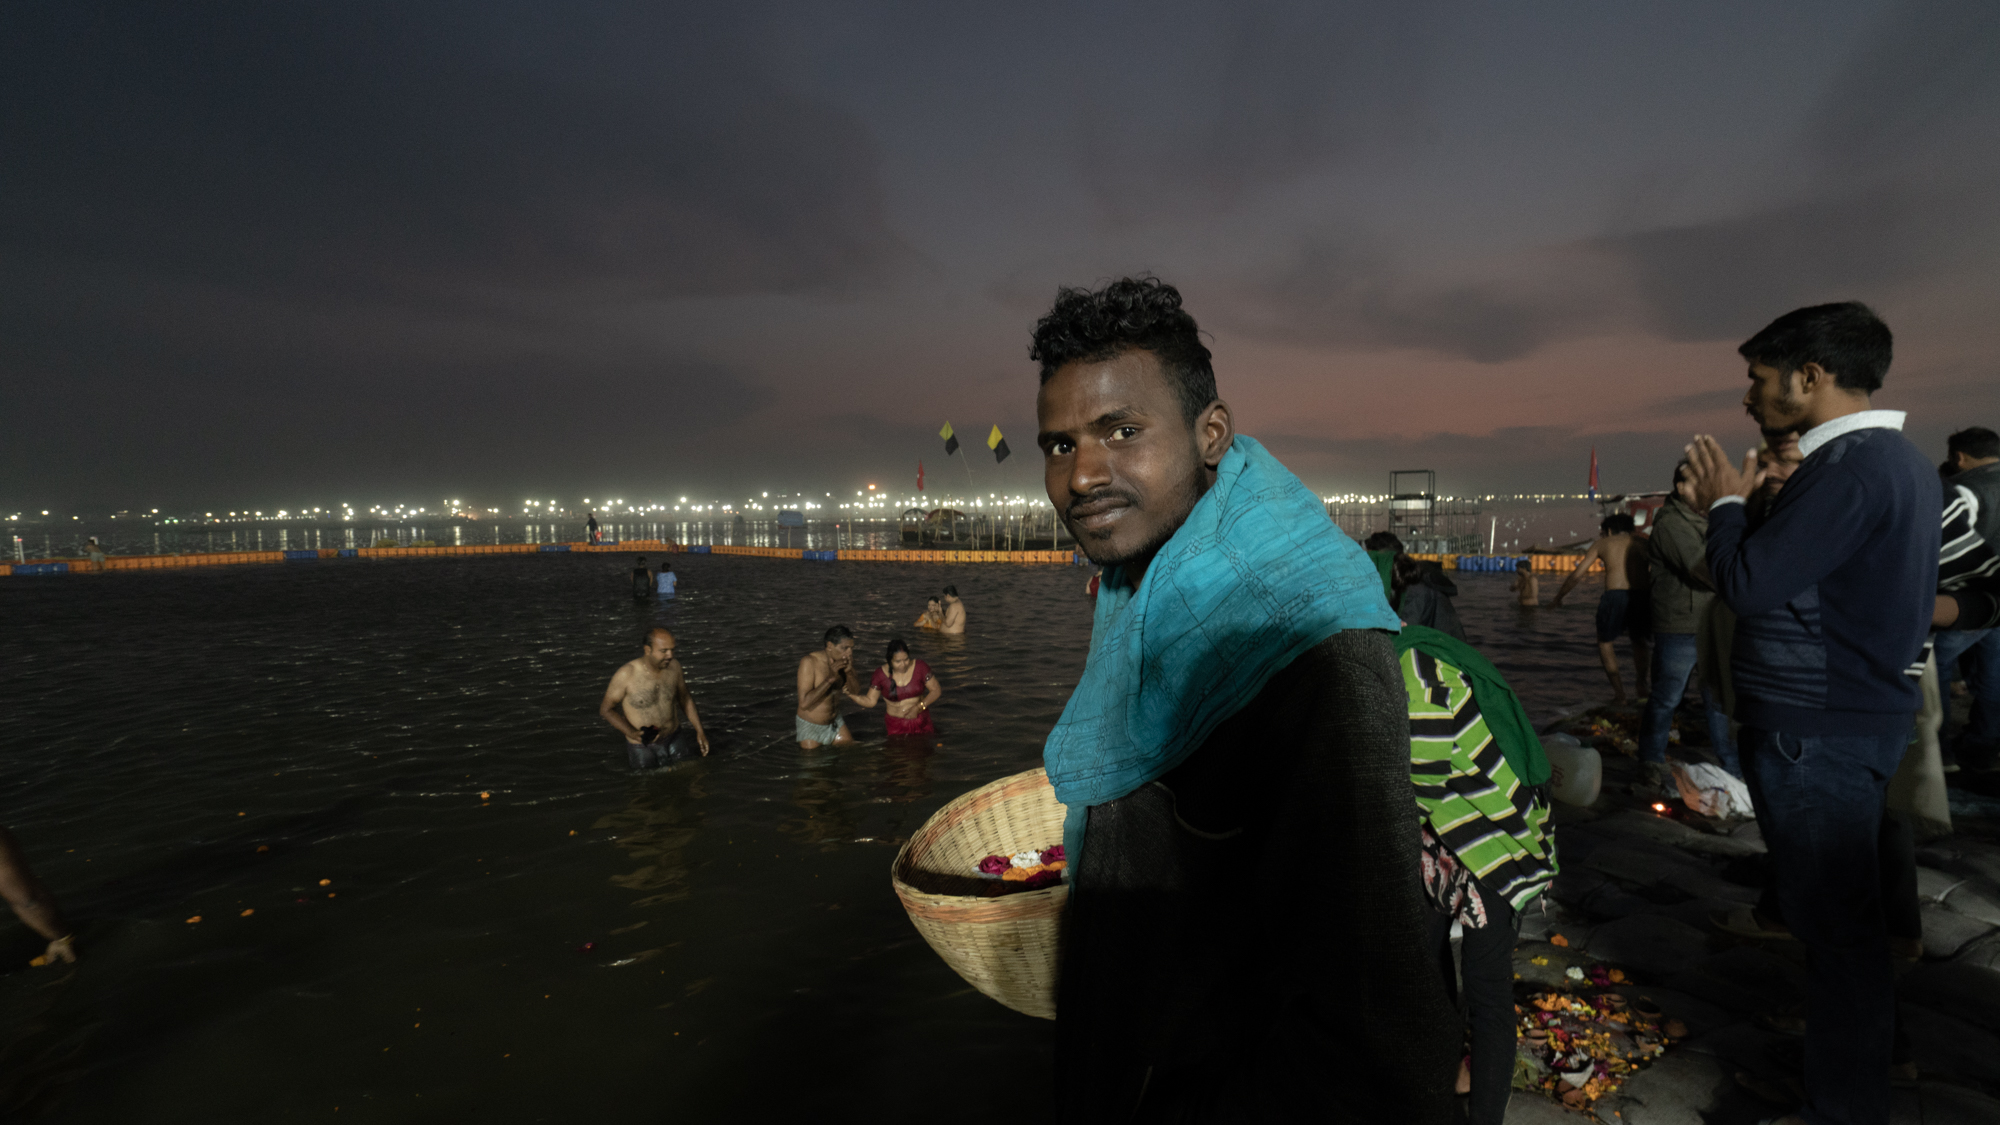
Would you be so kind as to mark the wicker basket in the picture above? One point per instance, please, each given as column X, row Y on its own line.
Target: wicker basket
column 1005, row 946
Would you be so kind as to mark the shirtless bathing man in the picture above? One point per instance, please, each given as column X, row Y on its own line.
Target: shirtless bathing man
column 821, row 675
column 646, row 700
column 954, row 612
column 1627, row 602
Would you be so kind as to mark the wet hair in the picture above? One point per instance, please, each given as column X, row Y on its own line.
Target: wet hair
column 838, row 634
column 655, row 630
column 666, row 566
column 932, row 598
column 1617, row 522
column 1976, row 441
column 1384, row 541
column 1129, row 314
column 951, row 591
column 896, row 646
column 1847, row 340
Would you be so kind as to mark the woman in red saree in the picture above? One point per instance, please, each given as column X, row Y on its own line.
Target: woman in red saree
column 909, row 689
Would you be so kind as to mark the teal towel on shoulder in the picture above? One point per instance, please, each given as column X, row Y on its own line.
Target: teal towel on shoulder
column 1257, row 575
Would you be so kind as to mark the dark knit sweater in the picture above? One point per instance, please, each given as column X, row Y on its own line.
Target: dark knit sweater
column 1833, row 591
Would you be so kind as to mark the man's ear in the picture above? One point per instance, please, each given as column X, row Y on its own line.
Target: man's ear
column 1214, row 430
column 1812, row 377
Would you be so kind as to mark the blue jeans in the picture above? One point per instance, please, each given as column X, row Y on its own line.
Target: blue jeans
column 1673, row 661
column 1819, row 805
column 1982, row 728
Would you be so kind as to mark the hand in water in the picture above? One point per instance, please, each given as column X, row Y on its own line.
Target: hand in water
column 62, row 949
column 701, row 740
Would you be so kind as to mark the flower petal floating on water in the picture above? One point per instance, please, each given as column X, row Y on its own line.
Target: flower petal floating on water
column 193, row 920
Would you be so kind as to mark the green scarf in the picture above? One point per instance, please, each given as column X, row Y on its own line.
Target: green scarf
column 1385, row 565
column 1502, row 709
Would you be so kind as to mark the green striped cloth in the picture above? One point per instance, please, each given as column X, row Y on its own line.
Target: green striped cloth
column 1466, row 791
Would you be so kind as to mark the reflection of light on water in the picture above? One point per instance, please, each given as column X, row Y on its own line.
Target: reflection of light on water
column 656, row 827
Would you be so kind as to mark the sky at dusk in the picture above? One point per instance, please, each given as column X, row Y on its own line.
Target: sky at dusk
column 262, row 254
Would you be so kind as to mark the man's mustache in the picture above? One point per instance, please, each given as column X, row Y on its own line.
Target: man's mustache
column 1101, row 494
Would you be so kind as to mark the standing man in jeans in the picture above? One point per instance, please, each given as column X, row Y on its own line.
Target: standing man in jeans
column 1681, row 596
column 1974, row 460
column 1834, row 594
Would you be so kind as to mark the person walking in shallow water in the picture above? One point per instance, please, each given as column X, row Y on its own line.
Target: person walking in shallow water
column 1625, row 607
column 822, row 674
column 32, row 903
column 909, row 689
column 645, row 702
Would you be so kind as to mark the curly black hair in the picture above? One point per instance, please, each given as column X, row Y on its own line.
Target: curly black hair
column 1141, row 313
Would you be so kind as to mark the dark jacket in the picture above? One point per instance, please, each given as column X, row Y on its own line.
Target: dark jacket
column 1677, row 557
column 1984, row 483
column 1833, row 591
column 1246, row 939
column 1428, row 605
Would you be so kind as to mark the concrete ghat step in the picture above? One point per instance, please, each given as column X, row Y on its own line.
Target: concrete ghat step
column 1943, row 1046
column 1975, row 898
column 1946, row 931
column 1944, row 1103
column 1968, row 992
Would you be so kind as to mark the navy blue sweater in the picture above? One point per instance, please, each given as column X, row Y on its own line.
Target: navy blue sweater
column 1833, row 592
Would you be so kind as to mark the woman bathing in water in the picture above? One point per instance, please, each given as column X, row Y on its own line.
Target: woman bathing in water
column 932, row 617
column 908, row 687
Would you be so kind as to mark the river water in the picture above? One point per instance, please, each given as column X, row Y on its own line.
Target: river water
column 430, row 890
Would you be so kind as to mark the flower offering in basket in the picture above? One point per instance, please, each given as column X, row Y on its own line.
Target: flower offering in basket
column 1027, row 870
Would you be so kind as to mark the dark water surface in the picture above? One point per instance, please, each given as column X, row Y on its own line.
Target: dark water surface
column 749, row 959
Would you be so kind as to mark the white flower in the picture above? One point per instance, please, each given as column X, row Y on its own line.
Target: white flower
column 1575, row 973
column 1029, row 858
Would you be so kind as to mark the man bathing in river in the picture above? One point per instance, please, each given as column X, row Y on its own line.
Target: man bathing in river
column 1627, row 602
column 645, row 702
column 822, row 675
column 954, row 612
column 1194, row 985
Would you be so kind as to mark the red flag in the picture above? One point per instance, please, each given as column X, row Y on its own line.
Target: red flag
column 920, row 476
column 1593, row 472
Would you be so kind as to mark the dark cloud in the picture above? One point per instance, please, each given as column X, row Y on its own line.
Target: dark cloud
column 1895, row 181
column 193, row 418
column 358, row 146
column 1329, row 294
column 1257, row 93
column 1724, row 280
column 1921, row 91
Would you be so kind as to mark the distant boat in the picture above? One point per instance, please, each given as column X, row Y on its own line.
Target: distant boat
column 791, row 519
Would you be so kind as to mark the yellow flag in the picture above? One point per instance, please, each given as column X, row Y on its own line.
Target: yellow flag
column 994, row 439
column 946, row 432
